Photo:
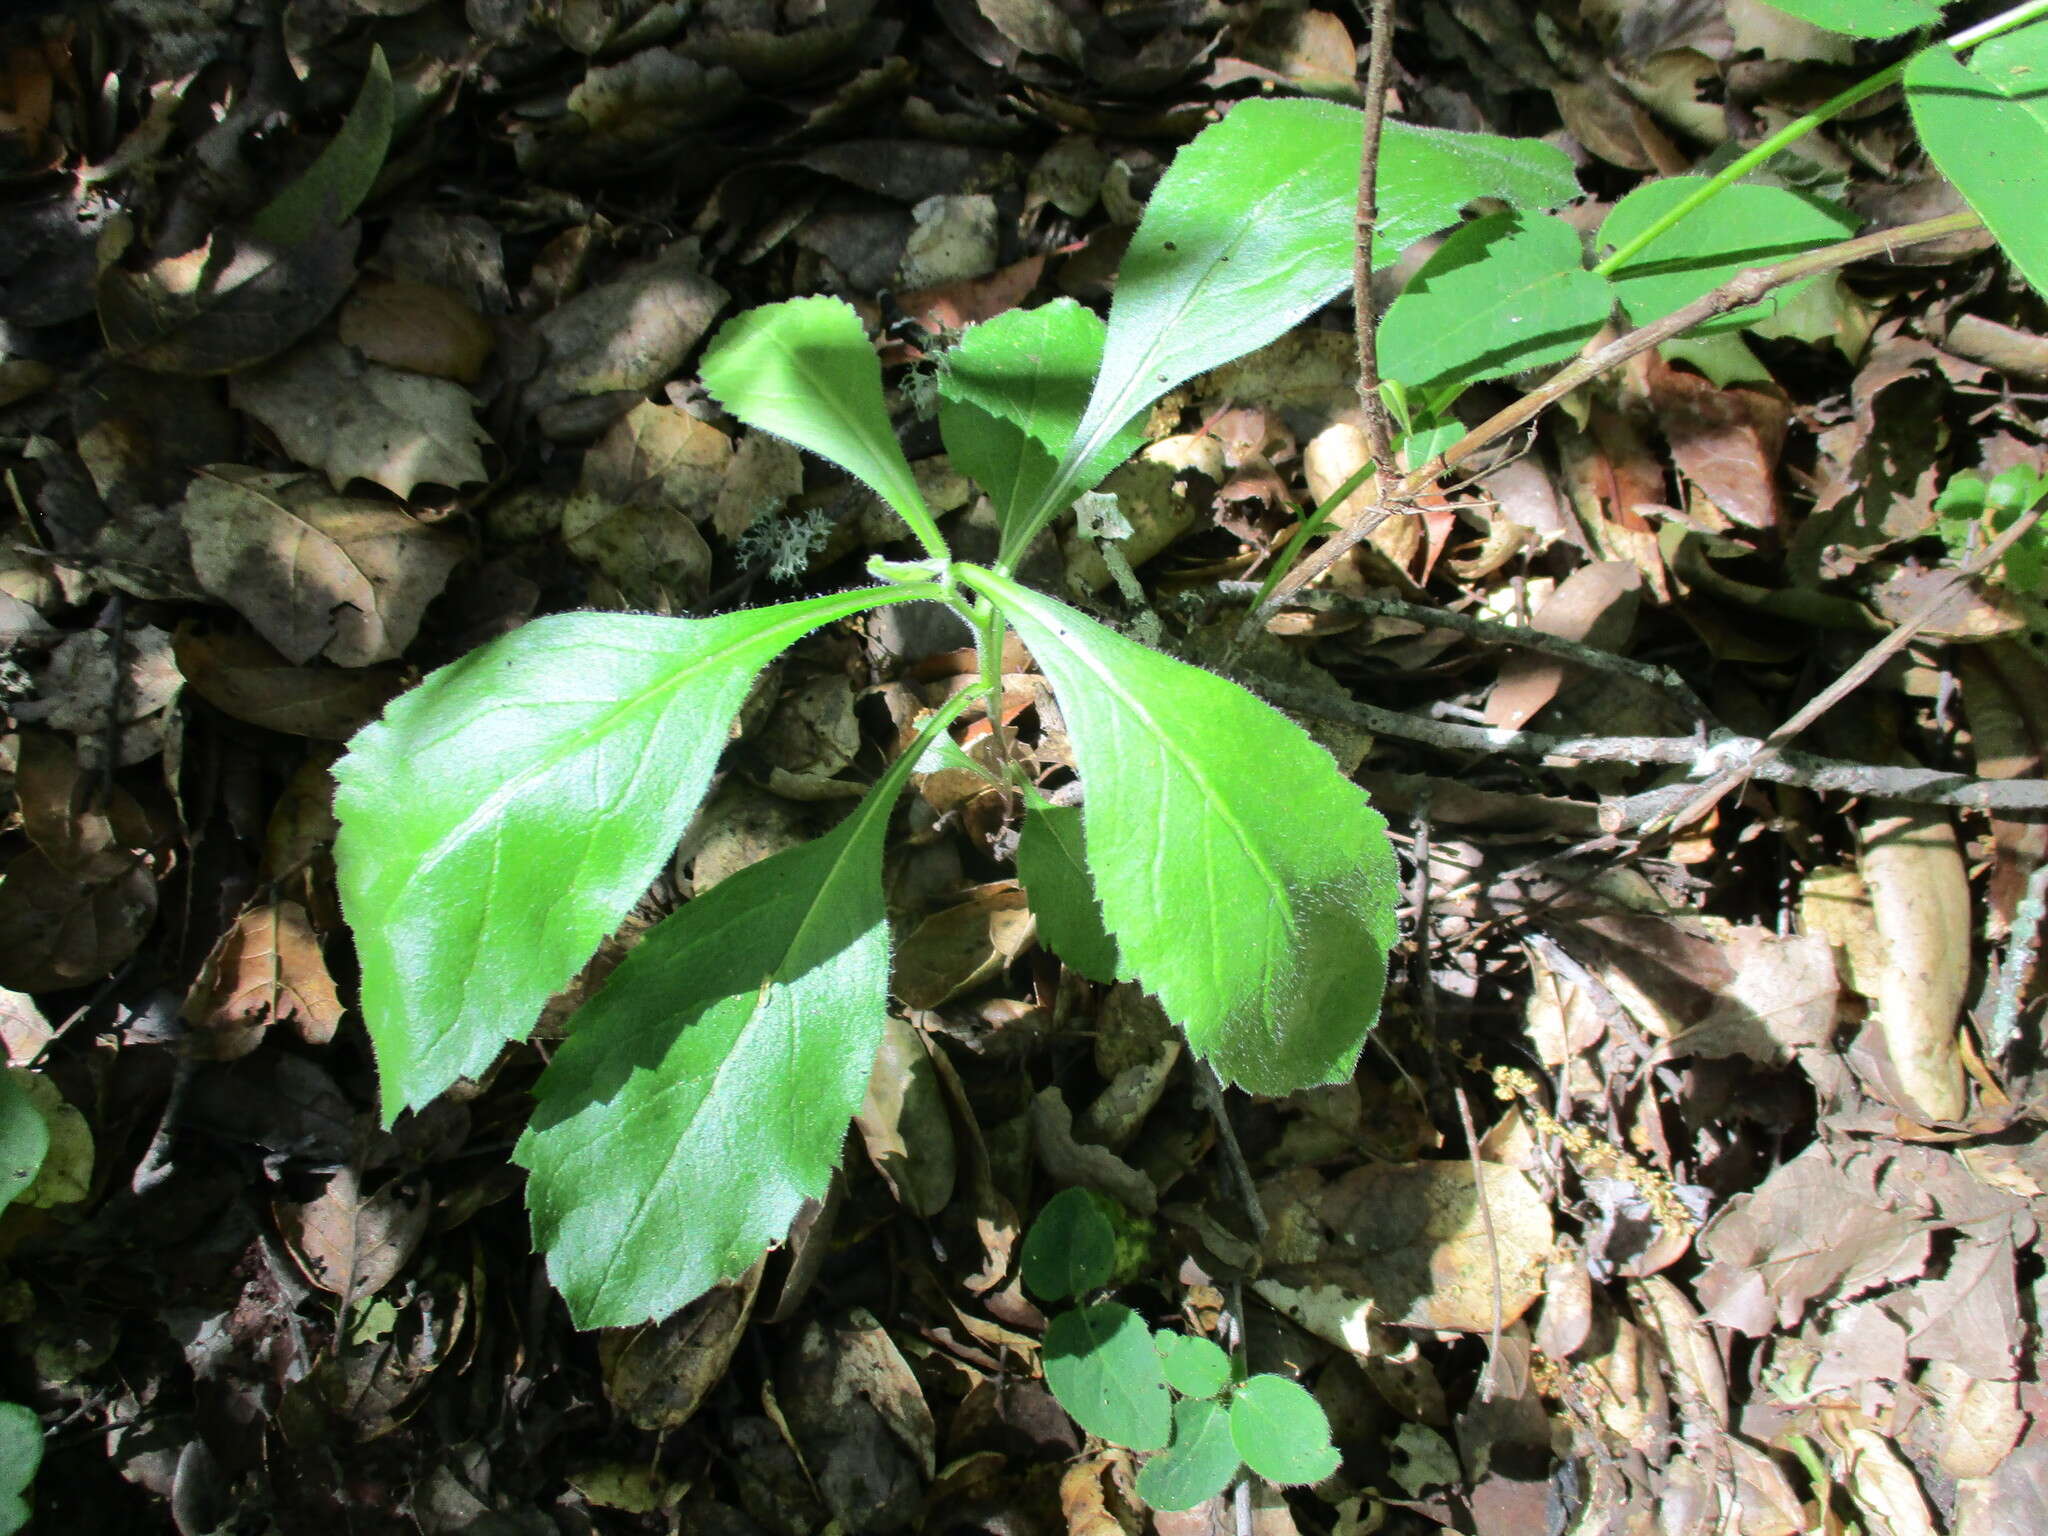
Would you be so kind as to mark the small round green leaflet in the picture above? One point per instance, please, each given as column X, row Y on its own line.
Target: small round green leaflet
column 1071, row 1247
column 21, row 1452
column 1194, row 1367
column 1281, row 1431
column 1100, row 1364
column 1198, row 1465
column 24, row 1139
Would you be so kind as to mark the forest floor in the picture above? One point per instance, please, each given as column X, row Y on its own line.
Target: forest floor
column 1630, row 1219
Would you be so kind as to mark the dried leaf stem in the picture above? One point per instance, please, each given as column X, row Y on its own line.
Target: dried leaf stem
column 1379, row 437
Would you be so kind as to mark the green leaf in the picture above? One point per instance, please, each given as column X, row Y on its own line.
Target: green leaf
column 1250, row 230
column 1198, row 1465
column 1505, row 293
column 1986, row 125
column 1010, row 395
column 804, row 370
column 1052, row 863
column 334, row 185
column 1195, row 1367
column 1071, row 1247
column 1281, row 1431
column 703, row 1095
column 1747, row 225
column 503, row 816
column 1248, row 884
column 1100, row 1364
column 21, row 1453
column 1865, row 18
column 24, row 1138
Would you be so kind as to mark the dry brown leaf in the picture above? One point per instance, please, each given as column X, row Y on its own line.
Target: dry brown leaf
column 351, row 419
column 1726, row 441
column 267, row 969
column 226, row 305
column 244, row 678
column 1595, row 605
column 79, row 692
column 630, row 333
column 1072, row 1162
column 417, row 327
column 904, row 1123
column 764, row 474
column 350, row 1243
column 315, row 572
column 58, row 932
column 957, row 950
column 659, row 1374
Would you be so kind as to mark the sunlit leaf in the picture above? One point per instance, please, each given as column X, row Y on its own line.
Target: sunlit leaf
column 502, row 817
column 1746, row 225
column 703, row 1095
column 1195, row 1367
column 1248, row 884
column 804, row 370
column 1865, row 18
column 1986, row 125
column 1506, row 292
column 1281, row 1431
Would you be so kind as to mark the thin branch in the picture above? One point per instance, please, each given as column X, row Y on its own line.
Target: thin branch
column 2017, row 963
column 1493, row 632
column 1739, row 291
column 1942, row 593
column 1486, row 1377
column 1379, row 437
column 1716, row 754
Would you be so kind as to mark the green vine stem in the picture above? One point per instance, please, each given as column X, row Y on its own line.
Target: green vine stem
column 1800, row 127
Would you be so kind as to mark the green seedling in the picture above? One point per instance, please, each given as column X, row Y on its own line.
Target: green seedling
column 500, row 820
column 1173, row 1393
column 1973, row 511
column 24, row 1143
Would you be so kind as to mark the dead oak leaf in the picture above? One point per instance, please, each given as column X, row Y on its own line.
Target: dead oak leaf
column 316, row 573
column 267, row 969
column 351, row 418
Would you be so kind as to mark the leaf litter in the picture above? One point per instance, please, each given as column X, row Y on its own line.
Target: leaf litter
column 1689, row 1182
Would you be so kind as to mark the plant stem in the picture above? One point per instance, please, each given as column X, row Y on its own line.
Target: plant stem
column 1743, row 289
column 989, row 632
column 1378, row 436
column 1800, row 127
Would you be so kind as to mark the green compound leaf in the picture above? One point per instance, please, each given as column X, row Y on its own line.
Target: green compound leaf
column 1052, row 863
column 1747, row 225
column 1506, row 292
column 1986, row 125
column 804, row 370
column 1248, row 884
column 1251, row 229
column 1100, row 1364
column 334, row 185
column 1281, row 1431
column 24, row 1139
column 703, row 1095
column 1071, row 1247
column 21, row 1453
column 1865, row 18
column 503, row 816
column 1198, row 1465
column 1195, row 1367
column 1010, row 395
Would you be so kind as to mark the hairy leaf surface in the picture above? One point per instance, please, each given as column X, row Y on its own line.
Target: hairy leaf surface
column 1986, row 125
column 1248, row 884
column 703, row 1095
column 1011, row 394
column 805, row 371
column 1198, row 1465
column 1100, row 1364
column 1281, row 1431
column 502, row 817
